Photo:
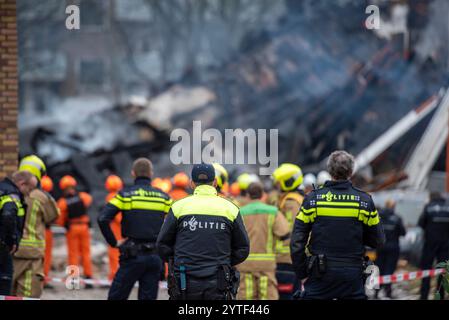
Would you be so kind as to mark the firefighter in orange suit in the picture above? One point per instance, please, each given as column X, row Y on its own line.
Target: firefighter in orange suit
column 265, row 224
column 73, row 206
column 113, row 185
column 47, row 186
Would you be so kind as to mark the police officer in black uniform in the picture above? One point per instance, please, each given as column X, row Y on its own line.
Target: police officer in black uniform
column 340, row 221
column 143, row 210
column 388, row 255
column 12, row 219
column 435, row 223
column 203, row 237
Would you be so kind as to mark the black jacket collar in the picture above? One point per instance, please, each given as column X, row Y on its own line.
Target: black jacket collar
column 338, row 184
column 12, row 188
column 142, row 181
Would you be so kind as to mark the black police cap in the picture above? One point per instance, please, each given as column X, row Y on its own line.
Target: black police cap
column 203, row 173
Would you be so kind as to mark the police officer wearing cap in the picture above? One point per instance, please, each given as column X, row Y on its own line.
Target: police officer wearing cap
column 335, row 223
column 143, row 210
column 202, row 238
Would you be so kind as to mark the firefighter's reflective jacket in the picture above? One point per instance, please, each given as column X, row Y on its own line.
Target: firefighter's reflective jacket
column 289, row 205
column 264, row 224
column 42, row 210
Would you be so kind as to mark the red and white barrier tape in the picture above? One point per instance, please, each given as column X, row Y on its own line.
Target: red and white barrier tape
column 16, row 298
column 407, row 276
column 97, row 282
column 394, row 278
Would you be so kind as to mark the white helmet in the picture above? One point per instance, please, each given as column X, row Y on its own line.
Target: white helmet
column 323, row 176
column 309, row 180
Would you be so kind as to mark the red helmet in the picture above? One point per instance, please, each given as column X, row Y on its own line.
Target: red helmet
column 113, row 183
column 67, row 182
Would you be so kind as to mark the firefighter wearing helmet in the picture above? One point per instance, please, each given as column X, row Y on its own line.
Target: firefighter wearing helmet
column 28, row 280
column 287, row 179
column 222, row 177
column 243, row 181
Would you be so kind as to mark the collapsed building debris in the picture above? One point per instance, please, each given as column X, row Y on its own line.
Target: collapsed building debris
column 302, row 74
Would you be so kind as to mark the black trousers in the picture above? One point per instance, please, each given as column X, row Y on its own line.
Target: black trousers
column 201, row 289
column 144, row 269
column 336, row 283
column 387, row 260
column 6, row 272
column 431, row 252
column 286, row 277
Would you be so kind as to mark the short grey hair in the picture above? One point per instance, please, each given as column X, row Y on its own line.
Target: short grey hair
column 340, row 165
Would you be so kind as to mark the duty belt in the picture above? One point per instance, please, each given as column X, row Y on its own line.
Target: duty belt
column 344, row 262
column 143, row 246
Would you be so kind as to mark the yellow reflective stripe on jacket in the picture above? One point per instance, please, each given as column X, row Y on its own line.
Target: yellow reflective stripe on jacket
column 339, row 209
column 338, row 204
column 117, row 202
column 270, row 233
column 369, row 218
column 148, row 205
column 261, row 257
column 31, row 226
column 205, row 204
column 4, row 199
column 20, row 210
column 141, row 203
column 307, row 215
column 7, row 198
column 338, row 212
column 281, row 247
column 32, row 243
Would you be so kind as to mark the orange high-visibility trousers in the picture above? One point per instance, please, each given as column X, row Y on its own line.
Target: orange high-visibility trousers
column 78, row 245
column 114, row 253
column 48, row 251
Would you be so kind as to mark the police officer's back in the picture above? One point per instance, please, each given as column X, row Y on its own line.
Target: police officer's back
column 435, row 223
column 143, row 209
column 388, row 254
column 203, row 237
column 340, row 221
column 12, row 214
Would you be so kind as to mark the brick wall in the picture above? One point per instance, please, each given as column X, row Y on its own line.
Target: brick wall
column 8, row 88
